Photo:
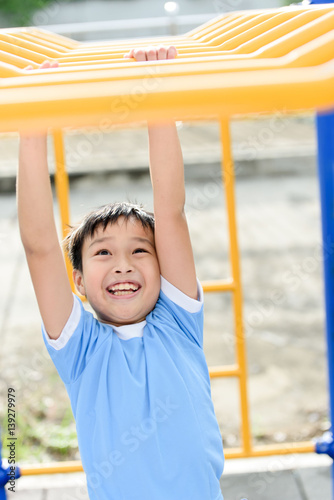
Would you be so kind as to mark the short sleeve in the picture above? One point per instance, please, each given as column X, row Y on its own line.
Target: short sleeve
column 79, row 341
column 68, row 329
column 180, row 314
column 180, row 298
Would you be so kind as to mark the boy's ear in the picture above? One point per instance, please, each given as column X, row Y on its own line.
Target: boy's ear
column 79, row 282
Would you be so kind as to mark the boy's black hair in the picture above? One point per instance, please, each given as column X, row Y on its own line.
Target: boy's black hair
column 103, row 216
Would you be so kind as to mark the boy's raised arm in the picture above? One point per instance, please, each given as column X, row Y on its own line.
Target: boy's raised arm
column 39, row 235
column 172, row 238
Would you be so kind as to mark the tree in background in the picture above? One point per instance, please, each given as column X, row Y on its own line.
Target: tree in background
column 21, row 12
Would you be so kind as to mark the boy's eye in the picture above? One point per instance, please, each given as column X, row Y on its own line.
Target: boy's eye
column 103, row 252
column 140, row 250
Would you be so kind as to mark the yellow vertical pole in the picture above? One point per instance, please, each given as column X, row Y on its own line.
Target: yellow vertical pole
column 62, row 191
column 228, row 180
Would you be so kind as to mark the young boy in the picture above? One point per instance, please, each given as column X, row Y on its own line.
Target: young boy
column 136, row 374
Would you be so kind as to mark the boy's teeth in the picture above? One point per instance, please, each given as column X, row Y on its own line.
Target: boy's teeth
column 123, row 289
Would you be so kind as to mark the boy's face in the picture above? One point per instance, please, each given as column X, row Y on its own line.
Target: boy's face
column 120, row 272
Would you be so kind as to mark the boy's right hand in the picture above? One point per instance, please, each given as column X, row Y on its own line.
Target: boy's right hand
column 152, row 53
column 45, row 65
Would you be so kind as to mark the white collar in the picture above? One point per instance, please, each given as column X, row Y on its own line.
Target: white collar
column 127, row 332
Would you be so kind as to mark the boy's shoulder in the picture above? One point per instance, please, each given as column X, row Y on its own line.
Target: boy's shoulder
column 177, row 313
column 180, row 299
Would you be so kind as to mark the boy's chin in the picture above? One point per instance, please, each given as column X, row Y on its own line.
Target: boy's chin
column 122, row 321
column 124, row 313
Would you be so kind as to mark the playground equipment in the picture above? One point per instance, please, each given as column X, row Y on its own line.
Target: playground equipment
column 239, row 63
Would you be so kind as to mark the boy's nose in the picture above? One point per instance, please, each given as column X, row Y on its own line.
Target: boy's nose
column 123, row 266
column 122, row 271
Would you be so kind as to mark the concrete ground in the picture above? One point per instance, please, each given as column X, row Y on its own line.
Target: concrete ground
column 303, row 477
column 279, row 232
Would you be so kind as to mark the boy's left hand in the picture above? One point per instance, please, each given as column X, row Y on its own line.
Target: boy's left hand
column 152, row 53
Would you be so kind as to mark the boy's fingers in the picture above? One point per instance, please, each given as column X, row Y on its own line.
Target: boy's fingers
column 151, row 54
column 45, row 64
column 129, row 54
column 171, row 52
column 139, row 54
column 162, row 53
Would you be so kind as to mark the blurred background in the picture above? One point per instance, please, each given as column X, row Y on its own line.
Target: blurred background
column 120, row 18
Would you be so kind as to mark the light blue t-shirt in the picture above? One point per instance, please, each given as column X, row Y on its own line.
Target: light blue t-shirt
column 142, row 402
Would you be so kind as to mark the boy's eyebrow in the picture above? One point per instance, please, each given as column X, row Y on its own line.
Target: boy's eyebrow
column 135, row 238
column 100, row 240
column 143, row 240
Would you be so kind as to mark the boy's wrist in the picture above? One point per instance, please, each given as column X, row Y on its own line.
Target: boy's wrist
column 33, row 143
column 161, row 125
column 33, row 136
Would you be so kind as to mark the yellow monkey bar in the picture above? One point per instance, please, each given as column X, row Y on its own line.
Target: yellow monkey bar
column 239, row 63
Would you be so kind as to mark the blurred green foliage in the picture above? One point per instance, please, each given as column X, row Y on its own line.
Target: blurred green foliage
column 20, row 12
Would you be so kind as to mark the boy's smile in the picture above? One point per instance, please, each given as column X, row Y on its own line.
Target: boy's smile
column 126, row 289
column 121, row 275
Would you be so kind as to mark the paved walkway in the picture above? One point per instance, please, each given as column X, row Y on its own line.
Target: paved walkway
column 296, row 477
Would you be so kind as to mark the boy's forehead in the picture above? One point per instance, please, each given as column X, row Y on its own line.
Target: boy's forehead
column 130, row 227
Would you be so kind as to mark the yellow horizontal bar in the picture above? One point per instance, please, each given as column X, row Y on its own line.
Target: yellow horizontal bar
column 172, row 98
column 271, row 449
column 30, row 38
column 108, row 57
column 255, row 30
column 104, row 68
column 19, row 62
column 207, row 28
column 269, row 33
column 258, row 451
column 224, row 371
column 17, row 43
column 298, row 37
column 218, row 285
column 40, row 34
column 52, row 468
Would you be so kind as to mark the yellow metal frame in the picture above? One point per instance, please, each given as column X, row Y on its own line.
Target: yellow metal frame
column 239, row 63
